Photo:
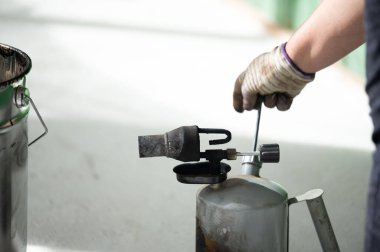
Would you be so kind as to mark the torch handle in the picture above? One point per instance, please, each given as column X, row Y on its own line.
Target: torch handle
column 320, row 218
column 322, row 224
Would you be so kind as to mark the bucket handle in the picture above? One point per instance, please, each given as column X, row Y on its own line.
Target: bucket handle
column 22, row 98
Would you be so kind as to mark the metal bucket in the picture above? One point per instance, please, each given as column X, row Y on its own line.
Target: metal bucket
column 14, row 109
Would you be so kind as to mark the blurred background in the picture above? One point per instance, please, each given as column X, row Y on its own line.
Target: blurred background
column 105, row 72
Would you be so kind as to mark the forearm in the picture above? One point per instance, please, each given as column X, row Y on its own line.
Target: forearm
column 334, row 29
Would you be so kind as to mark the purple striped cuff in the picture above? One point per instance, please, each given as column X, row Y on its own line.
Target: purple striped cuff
column 293, row 65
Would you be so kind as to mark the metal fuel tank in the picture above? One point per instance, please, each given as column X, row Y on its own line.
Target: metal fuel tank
column 244, row 213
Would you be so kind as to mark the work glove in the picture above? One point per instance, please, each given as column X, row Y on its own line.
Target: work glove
column 272, row 75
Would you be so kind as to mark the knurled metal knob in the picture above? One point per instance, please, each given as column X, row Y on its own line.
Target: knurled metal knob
column 269, row 153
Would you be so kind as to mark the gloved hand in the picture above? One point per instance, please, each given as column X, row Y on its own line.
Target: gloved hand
column 273, row 75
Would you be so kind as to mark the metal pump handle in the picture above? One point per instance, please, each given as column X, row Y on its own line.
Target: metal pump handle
column 259, row 105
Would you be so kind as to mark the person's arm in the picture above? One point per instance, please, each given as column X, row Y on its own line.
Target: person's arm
column 334, row 29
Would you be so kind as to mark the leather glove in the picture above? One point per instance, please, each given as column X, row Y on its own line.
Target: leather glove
column 272, row 75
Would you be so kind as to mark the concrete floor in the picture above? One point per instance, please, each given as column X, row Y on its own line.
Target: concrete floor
column 105, row 72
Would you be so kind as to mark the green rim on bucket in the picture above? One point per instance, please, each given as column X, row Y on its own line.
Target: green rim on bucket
column 14, row 65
